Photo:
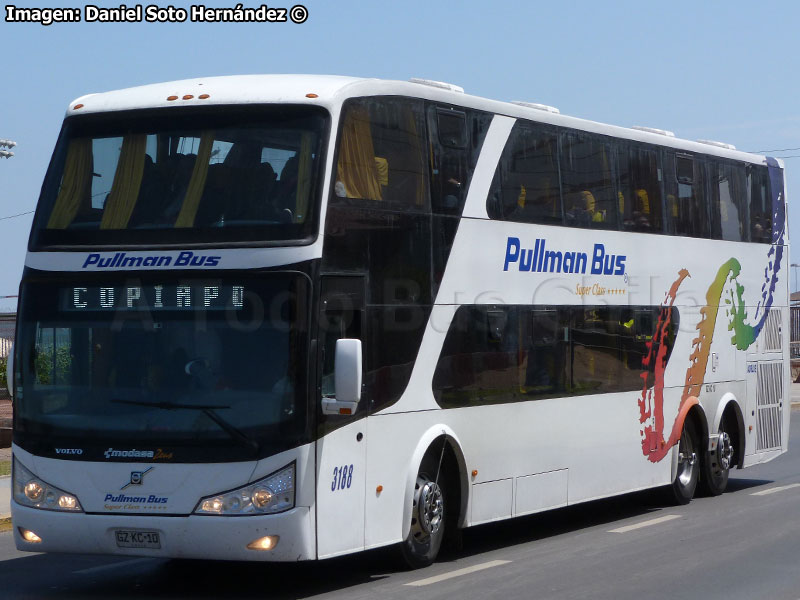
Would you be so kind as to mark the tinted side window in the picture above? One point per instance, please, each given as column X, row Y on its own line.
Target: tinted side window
column 456, row 137
column 639, row 196
column 687, row 210
column 526, row 184
column 760, row 204
column 588, row 188
column 728, row 189
column 382, row 151
column 609, row 345
column 500, row 354
column 452, row 128
column 394, row 337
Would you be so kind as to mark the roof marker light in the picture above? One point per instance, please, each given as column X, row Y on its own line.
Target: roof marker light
column 312, row 96
column 188, row 97
column 537, row 106
column 653, row 130
column 203, row 97
column 438, row 84
column 77, row 106
column 171, row 98
column 717, row 144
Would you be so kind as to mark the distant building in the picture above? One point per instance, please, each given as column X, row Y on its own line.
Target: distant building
column 7, row 325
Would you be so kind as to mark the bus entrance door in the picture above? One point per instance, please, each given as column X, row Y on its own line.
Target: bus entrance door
column 342, row 444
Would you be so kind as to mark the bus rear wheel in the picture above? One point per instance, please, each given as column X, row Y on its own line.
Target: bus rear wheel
column 685, row 484
column 421, row 547
column 717, row 464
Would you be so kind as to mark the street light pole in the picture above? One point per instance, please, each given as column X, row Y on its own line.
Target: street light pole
column 6, row 144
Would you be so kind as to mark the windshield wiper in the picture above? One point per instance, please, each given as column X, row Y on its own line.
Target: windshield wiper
column 208, row 410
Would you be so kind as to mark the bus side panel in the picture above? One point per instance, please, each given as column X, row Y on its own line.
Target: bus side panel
column 584, row 448
column 341, row 463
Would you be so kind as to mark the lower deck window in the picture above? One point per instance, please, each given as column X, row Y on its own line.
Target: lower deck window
column 497, row 354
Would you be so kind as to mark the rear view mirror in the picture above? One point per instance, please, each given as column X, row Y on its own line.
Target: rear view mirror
column 347, row 379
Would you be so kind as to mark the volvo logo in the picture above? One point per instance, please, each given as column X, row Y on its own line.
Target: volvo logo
column 136, row 478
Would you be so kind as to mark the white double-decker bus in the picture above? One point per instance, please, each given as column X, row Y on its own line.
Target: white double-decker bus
column 284, row 318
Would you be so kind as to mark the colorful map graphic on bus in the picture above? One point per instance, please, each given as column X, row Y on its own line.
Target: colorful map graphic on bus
column 651, row 403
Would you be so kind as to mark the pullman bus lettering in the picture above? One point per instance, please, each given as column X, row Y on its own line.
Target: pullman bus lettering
column 541, row 259
column 121, row 260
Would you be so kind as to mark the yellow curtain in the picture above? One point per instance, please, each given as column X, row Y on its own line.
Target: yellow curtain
column 191, row 201
column 303, row 178
column 356, row 168
column 382, row 168
column 127, row 180
column 74, row 184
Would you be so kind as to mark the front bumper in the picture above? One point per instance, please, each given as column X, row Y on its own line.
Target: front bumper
column 201, row 537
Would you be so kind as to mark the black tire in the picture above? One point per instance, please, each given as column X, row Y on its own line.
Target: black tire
column 428, row 517
column 717, row 464
column 685, row 484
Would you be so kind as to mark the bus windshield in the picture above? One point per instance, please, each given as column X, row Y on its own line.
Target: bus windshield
column 181, row 176
column 202, row 369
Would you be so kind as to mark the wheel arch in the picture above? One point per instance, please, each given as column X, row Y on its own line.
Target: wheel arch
column 432, row 441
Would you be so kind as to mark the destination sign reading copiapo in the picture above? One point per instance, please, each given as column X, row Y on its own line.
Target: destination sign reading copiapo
column 153, row 297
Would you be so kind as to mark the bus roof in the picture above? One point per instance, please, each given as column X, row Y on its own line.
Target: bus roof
column 330, row 91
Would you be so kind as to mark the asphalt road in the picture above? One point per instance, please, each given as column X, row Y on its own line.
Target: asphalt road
column 744, row 544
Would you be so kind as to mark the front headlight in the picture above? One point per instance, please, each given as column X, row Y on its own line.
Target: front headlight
column 272, row 494
column 31, row 491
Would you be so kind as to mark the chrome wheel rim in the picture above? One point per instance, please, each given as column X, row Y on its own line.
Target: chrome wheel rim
column 428, row 509
column 687, row 458
column 724, row 451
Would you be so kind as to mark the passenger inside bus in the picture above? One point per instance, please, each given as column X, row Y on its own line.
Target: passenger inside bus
column 583, row 210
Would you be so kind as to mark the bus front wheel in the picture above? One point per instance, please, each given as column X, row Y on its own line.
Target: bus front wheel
column 427, row 518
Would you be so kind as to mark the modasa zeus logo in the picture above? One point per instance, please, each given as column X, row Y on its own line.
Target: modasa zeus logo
column 541, row 259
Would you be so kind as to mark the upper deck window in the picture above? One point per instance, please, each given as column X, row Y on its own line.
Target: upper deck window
column 231, row 174
column 526, row 185
column 761, row 209
column 382, row 149
column 688, row 211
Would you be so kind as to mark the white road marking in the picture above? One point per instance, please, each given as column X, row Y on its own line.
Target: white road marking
column 116, row 565
column 775, row 489
column 656, row 521
column 458, row 573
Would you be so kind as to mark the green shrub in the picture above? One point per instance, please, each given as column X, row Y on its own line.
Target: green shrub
column 44, row 365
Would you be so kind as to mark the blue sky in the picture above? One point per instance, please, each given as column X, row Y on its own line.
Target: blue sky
column 714, row 70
